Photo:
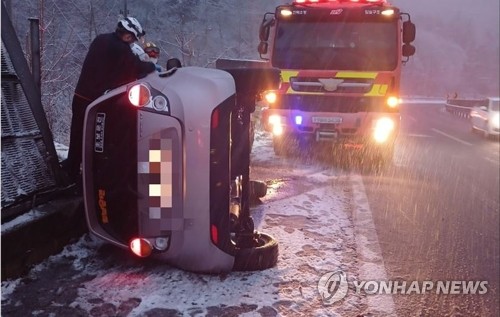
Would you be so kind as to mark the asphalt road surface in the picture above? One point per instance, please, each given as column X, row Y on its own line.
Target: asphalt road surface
column 436, row 210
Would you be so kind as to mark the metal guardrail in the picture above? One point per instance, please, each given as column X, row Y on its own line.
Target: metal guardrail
column 462, row 107
column 30, row 170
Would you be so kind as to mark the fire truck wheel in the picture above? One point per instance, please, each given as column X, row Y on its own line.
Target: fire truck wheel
column 282, row 145
column 383, row 159
column 263, row 255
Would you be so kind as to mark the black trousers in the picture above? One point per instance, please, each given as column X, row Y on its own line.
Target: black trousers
column 74, row 161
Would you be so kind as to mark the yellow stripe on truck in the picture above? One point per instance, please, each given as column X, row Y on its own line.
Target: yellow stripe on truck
column 285, row 75
column 366, row 75
column 377, row 90
column 293, row 92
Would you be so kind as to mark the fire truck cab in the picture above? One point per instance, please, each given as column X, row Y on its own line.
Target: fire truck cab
column 340, row 63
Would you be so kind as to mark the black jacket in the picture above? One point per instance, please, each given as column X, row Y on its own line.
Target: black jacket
column 109, row 64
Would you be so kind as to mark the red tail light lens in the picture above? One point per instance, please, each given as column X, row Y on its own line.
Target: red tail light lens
column 214, row 232
column 215, row 119
column 139, row 95
column 141, row 247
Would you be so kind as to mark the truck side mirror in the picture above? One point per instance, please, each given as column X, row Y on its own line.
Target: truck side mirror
column 264, row 32
column 408, row 50
column 409, row 32
column 265, row 26
column 262, row 48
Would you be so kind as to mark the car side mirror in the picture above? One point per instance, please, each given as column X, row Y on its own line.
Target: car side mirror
column 173, row 63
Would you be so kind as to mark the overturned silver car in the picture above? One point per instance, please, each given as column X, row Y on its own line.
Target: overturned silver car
column 166, row 168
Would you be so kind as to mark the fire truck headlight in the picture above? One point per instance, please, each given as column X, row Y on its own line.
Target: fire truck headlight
column 286, row 12
column 276, row 122
column 277, row 130
column 270, row 96
column 383, row 128
column 393, row 102
column 274, row 119
column 388, row 12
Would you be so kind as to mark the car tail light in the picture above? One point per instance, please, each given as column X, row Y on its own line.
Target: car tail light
column 214, row 233
column 139, row 95
column 141, row 247
column 383, row 128
column 215, row 119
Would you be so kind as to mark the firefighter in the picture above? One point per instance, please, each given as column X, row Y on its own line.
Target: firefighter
column 109, row 64
column 153, row 52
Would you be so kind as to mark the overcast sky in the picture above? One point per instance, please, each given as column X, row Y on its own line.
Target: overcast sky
column 484, row 14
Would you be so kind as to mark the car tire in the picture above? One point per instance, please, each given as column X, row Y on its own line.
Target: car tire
column 263, row 255
column 380, row 158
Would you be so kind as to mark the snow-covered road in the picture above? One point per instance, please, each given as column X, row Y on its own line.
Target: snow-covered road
column 319, row 215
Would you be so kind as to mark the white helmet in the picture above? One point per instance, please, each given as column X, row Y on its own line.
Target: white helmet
column 133, row 26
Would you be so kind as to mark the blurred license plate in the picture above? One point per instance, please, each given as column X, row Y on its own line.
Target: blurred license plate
column 99, row 132
column 326, row 119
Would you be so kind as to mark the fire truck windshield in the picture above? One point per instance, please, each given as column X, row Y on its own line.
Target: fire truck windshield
column 371, row 46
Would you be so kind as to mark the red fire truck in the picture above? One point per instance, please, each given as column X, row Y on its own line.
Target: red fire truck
column 340, row 64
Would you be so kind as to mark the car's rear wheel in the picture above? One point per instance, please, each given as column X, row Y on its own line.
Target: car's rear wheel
column 262, row 255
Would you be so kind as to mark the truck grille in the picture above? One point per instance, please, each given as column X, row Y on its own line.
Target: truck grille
column 325, row 85
column 340, row 104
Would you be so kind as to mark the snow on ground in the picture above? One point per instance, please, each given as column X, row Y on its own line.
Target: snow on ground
column 308, row 209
